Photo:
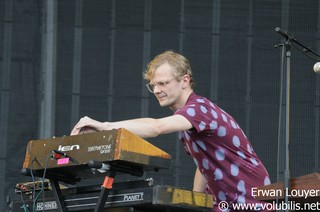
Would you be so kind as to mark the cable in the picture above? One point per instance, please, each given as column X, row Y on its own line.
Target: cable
column 24, row 206
column 36, row 197
column 42, row 182
column 34, row 184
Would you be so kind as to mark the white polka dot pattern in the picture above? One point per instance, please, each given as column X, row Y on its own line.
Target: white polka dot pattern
column 186, row 136
column 200, row 100
column 214, row 114
column 205, row 164
column 201, row 145
column 213, row 125
column 241, row 199
column 221, row 151
column 249, row 148
column 218, row 174
column 234, row 170
column 236, row 141
column 194, row 147
column 224, row 118
column 266, row 181
column 233, row 124
column 203, row 109
column 222, row 195
column 254, row 161
column 220, row 154
column 191, row 112
column 202, row 126
column 222, row 131
column 241, row 154
column 241, row 187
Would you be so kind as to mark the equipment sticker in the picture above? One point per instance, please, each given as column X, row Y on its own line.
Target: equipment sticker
column 52, row 205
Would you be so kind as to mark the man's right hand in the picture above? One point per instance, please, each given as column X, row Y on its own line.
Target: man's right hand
column 87, row 125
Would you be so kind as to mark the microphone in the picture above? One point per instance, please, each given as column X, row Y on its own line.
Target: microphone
column 316, row 68
column 284, row 33
column 98, row 165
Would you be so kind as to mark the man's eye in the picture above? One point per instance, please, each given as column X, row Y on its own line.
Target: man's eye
column 162, row 83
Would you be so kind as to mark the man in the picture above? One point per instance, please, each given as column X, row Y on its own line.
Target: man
column 227, row 166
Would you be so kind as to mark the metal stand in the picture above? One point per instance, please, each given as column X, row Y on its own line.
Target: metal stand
column 109, row 179
column 57, row 195
column 284, row 118
column 284, row 121
column 106, row 187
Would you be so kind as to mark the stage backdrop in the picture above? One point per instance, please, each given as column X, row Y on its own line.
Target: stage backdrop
column 61, row 60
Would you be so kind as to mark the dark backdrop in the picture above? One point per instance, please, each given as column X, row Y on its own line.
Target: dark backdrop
column 229, row 43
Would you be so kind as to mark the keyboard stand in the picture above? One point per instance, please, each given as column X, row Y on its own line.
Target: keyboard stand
column 105, row 188
column 109, row 179
column 57, row 195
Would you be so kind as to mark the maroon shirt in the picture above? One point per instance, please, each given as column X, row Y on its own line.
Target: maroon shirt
column 222, row 152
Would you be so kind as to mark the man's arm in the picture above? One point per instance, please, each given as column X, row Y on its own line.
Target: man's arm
column 199, row 183
column 143, row 127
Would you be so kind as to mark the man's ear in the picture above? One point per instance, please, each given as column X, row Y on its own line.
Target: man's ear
column 185, row 81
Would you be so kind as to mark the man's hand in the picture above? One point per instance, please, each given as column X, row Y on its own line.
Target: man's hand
column 85, row 130
column 87, row 125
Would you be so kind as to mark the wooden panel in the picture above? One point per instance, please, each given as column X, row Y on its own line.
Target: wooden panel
column 304, row 188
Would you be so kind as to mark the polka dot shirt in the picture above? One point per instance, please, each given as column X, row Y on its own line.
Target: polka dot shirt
column 222, row 152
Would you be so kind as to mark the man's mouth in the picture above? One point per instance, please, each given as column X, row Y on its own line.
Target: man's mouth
column 161, row 97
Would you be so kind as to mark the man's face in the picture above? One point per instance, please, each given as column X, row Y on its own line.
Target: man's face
column 166, row 88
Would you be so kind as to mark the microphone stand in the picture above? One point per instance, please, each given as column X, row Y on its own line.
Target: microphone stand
column 285, row 118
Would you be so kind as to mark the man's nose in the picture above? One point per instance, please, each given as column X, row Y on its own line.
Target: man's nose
column 156, row 89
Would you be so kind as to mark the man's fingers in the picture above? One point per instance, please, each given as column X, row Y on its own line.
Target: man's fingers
column 77, row 128
column 75, row 131
column 82, row 123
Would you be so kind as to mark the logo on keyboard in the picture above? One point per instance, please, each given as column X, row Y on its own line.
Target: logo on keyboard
column 133, row 197
column 126, row 198
column 102, row 149
column 68, row 148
